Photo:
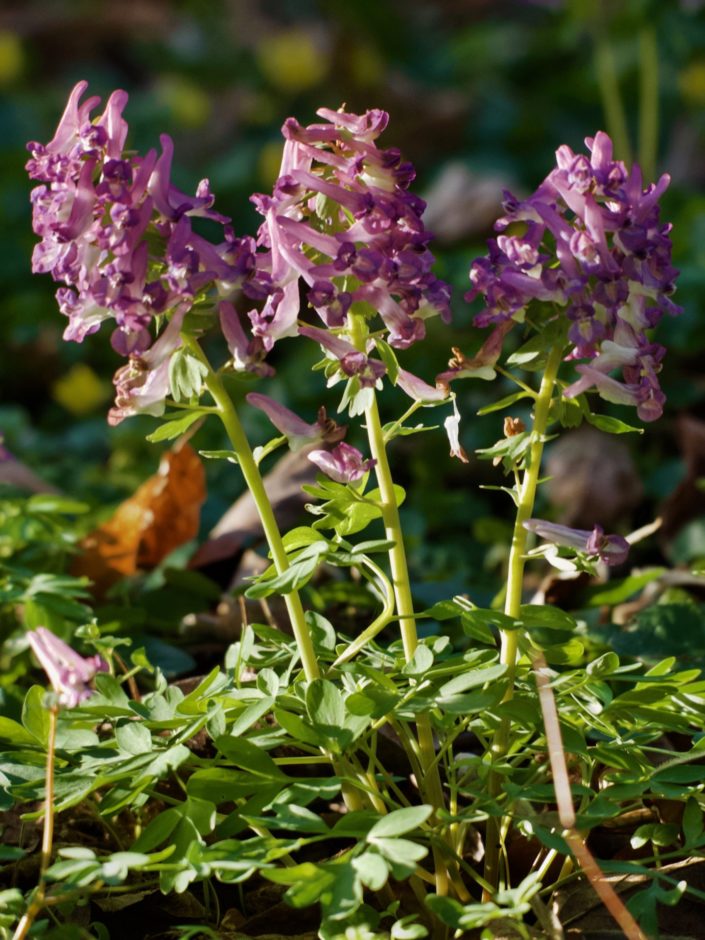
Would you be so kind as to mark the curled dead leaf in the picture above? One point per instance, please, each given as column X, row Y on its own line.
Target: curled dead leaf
column 163, row 514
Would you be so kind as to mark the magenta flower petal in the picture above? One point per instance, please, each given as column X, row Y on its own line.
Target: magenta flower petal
column 593, row 244
column 344, row 464
column 612, row 549
column 419, row 390
column 69, row 674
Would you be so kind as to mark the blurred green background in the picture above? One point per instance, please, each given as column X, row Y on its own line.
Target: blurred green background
column 480, row 93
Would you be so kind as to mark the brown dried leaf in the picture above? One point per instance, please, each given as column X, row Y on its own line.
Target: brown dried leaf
column 163, row 514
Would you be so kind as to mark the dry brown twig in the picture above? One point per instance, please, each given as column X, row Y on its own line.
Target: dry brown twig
column 566, row 811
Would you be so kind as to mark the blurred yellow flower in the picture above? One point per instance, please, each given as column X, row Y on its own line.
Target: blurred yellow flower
column 80, row 391
column 269, row 162
column 190, row 106
column 366, row 65
column 292, row 60
column 11, row 57
column 691, row 81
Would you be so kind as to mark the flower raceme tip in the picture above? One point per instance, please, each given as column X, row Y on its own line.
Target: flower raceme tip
column 589, row 242
column 117, row 234
column 342, row 220
column 70, row 675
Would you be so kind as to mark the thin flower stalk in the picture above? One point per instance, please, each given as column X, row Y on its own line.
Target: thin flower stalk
column 430, row 780
column 515, row 581
column 38, row 899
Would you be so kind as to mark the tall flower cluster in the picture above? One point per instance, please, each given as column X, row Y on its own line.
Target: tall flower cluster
column 590, row 241
column 118, row 236
column 342, row 220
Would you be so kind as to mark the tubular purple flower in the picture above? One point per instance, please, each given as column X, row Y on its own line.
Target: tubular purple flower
column 118, row 235
column 612, row 549
column 247, row 354
column 68, row 673
column 341, row 219
column 419, row 390
column 294, row 428
column 592, row 245
column 344, row 464
column 141, row 386
column 352, row 361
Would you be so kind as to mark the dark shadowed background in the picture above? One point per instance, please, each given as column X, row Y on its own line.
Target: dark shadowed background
column 480, row 94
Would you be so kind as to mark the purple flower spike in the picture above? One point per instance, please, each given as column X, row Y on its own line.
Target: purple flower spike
column 612, row 549
column 68, row 673
column 118, row 236
column 294, row 428
column 344, row 464
column 589, row 241
column 341, row 218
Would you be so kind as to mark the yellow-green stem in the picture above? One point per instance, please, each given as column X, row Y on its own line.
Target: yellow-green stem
column 431, row 784
column 250, row 471
column 515, row 582
column 48, row 830
column 37, row 902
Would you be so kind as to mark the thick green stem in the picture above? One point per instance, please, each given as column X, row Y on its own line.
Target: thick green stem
column 48, row 831
column 515, row 583
column 253, row 479
column 250, row 471
column 392, row 526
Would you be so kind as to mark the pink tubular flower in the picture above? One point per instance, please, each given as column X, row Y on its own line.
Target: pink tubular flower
column 612, row 549
column 68, row 673
column 352, row 361
column 589, row 241
column 344, row 464
column 342, row 220
column 142, row 385
column 247, row 353
column 117, row 235
column 295, row 429
column 419, row 390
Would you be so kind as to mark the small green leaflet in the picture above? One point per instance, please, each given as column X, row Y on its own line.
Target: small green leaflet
column 175, row 427
column 611, row 425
